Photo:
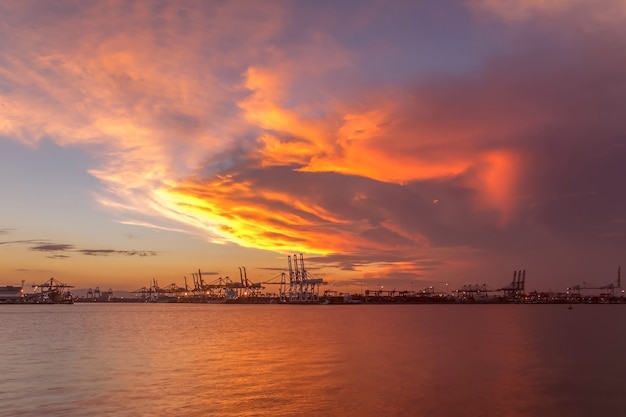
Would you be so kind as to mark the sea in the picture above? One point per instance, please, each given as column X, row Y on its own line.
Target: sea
column 503, row 360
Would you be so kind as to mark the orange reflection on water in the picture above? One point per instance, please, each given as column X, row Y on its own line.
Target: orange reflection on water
column 312, row 360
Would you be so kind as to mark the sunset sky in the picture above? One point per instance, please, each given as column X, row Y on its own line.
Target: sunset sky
column 402, row 144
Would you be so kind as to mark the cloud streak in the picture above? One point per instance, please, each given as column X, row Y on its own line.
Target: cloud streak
column 108, row 252
column 46, row 246
column 53, row 248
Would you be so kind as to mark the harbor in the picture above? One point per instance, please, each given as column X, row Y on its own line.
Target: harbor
column 51, row 291
column 298, row 286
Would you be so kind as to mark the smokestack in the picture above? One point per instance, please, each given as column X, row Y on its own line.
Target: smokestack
column 619, row 277
column 523, row 280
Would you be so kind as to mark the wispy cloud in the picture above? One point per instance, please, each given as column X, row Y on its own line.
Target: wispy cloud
column 53, row 248
column 108, row 252
column 58, row 256
column 151, row 226
column 46, row 246
column 41, row 242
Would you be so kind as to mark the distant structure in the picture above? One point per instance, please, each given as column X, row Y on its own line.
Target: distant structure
column 247, row 288
column 515, row 289
column 158, row 294
column 53, row 291
column 97, row 295
column 302, row 286
column 474, row 292
column 609, row 288
column 12, row 294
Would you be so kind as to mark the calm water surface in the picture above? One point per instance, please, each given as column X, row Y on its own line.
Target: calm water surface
column 286, row 360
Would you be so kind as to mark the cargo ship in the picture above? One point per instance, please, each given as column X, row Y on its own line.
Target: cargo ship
column 12, row 294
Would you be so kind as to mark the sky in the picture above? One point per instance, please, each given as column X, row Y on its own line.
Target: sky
column 401, row 144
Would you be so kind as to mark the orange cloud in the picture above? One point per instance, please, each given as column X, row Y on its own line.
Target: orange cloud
column 382, row 144
column 146, row 110
column 497, row 183
column 263, row 108
column 234, row 212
